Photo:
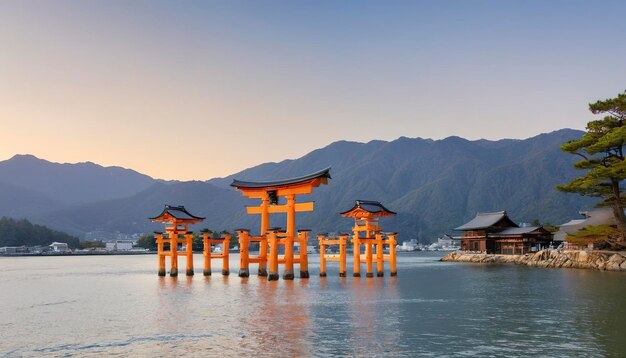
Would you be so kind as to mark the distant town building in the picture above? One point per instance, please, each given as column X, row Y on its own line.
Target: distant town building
column 119, row 245
column 12, row 250
column 59, row 247
column 496, row 233
column 99, row 235
column 124, row 245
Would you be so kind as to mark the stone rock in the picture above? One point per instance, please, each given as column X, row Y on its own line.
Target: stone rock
column 612, row 266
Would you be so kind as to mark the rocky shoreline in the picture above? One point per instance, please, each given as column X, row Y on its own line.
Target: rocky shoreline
column 597, row 260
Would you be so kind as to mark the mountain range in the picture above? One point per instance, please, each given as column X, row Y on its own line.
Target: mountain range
column 433, row 185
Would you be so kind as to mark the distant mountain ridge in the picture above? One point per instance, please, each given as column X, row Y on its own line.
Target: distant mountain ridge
column 70, row 184
column 433, row 185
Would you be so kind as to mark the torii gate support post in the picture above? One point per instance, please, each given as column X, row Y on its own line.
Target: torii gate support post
column 380, row 258
column 303, row 237
column 368, row 257
column 392, row 254
column 244, row 253
column 189, row 253
column 173, row 253
column 160, row 252
column 226, row 255
column 322, row 245
column 342, row 255
column 206, row 252
column 356, row 244
column 273, row 274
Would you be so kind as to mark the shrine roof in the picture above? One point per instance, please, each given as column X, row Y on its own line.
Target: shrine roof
column 177, row 212
column 514, row 231
column 324, row 173
column 486, row 220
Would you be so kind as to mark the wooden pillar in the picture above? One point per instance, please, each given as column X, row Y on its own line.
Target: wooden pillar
column 265, row 226
column 226, row 257
column 380, row 256
column 207, row 254
column 342, row 255
column 273, row 274
column 291, row 233
column 244, row 253
column 392, row 254
column 368, row 258
column 303, row 237
column 174, row 251
column 356, row 243
column 321, row 238
column 189, row 253
column 161, row 255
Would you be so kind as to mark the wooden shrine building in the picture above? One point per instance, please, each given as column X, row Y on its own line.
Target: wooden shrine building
column 366, row 231
column 270, row 194
column 177, row 220
column 496, row 233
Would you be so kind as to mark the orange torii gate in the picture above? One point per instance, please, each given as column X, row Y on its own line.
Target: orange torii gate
column 366, row 231
column 269, row 193
column 207, row 240
column 324, row 242
column 176, row 220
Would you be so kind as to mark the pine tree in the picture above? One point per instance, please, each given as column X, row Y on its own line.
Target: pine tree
column 602, row 151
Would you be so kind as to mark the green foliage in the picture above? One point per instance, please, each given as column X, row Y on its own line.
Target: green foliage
column 23, row 232
column 91, row 244
column 595, row 231
column 593, row 234
column 147, row 241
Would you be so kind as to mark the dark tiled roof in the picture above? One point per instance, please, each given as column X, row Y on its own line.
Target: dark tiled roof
column 485, row 220
column 370, row 206
column 518, row 231
column 325, row 173
column 178, row 212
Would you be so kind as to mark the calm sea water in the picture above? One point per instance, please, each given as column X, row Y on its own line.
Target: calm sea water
column 116, row 305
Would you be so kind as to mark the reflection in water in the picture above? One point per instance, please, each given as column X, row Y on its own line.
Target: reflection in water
column 278, row 317
column 432, row 308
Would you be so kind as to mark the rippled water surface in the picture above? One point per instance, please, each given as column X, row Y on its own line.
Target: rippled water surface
column 117, row 305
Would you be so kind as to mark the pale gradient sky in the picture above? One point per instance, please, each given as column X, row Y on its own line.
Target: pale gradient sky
column 199, row 89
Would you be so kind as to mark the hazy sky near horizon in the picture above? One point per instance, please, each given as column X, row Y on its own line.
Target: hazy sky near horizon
column 199, row 89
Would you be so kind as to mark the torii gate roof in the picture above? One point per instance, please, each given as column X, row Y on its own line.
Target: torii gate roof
column 323, row 174
column 176, row 213
column 369, row 208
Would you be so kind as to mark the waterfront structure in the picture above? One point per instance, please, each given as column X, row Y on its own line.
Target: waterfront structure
column 495, row 232
column 177, row 220
column 270, row 194
column 367, row 232
column 59, row 247
column 221, row 242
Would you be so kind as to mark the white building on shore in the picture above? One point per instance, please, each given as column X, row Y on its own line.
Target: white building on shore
column 59, row 247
